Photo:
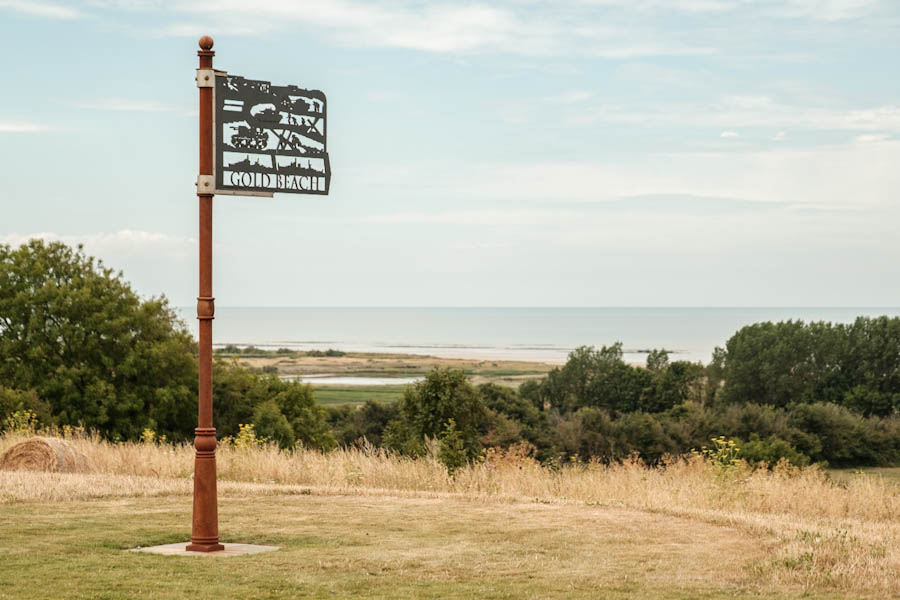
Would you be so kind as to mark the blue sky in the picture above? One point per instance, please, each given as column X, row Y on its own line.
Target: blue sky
column 517, row 153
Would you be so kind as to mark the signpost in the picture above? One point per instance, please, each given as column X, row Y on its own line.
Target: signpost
column 255, row 139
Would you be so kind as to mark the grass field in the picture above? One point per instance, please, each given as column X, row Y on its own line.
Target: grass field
column 357, row 394
column 364, row 524
column 364, row 547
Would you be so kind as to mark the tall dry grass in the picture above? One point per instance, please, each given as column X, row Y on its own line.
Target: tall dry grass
column 823, row 534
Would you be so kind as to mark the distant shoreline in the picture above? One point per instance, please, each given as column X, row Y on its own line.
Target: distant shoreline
column 554, row 357
column 535, row 335
column 387, row 367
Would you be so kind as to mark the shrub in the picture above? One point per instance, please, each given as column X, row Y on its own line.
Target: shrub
column 452, row 453
column 771, row 451
column 270, row 423
column 428, row 406
column 351, row 424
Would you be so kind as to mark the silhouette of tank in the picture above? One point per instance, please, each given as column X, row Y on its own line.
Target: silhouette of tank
column 252, row 138
column 270, row 115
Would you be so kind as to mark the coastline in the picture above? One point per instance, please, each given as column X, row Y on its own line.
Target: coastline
column 387, row 367
column 534, row 335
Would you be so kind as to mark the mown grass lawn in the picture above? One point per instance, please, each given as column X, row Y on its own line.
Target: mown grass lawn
column 373, row 547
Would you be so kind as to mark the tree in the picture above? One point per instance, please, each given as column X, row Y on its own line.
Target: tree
column 427, row 408
column 510, row 411
column 350, row 424
column 238, row 392
column 297, row 403
column 599, row 378
column 270, row 423
column 856, row 365
column 95, row 353
column 672, row 384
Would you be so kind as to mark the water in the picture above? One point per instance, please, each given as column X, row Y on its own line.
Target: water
column 336, row 380
column 536, row 334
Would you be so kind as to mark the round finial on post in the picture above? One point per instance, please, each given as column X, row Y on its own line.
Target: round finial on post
column 206, row 43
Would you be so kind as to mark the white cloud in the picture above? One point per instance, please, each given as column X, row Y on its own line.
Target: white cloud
column 871, row 137
column 22, row 127
column 743, row 111
column 111, row 245
column 729, row 134
column 827, row 10
column 571, row 97
column 437, row 27
column 780, row 136
column 860, row 174
column 153, row 262
column 40, row 9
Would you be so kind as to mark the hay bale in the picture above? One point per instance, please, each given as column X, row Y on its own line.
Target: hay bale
column 44, row 454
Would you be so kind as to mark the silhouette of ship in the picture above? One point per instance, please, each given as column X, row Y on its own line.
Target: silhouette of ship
column 295, row 168
column 248, row 166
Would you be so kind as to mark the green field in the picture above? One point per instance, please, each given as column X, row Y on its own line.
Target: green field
column 374, row 547
column 357, row 394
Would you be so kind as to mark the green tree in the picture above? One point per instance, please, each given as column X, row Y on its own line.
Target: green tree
column 657, row 360
column 672, row 384
column 350, row 424
column 238, row 391
column 20, row 401
column 599, row 378
column 856, row 365
column 452, row 452
column 270, row 423
column 512, row 412
column 428, row 406
column 95, row 353
column 307, row 418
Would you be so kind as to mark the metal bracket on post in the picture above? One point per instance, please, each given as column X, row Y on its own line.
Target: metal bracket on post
column 206, row 184
column 206, row 78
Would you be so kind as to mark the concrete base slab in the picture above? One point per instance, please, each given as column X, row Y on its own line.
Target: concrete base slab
column 230, row 550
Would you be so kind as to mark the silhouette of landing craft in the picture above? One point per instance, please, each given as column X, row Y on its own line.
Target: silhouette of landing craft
column 250, row 138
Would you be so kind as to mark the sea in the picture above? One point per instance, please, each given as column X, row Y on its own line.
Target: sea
column 527, row 334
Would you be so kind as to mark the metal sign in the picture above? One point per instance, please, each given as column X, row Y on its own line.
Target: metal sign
column 269, row 138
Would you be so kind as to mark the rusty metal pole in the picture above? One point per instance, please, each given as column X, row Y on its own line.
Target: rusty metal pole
column 205, row 525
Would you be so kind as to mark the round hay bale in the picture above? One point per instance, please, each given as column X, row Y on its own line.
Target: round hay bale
column 44, row 454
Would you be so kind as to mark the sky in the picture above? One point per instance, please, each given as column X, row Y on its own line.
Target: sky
column 510, row 153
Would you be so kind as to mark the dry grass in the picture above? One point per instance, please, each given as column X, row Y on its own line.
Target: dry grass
column 819, row 535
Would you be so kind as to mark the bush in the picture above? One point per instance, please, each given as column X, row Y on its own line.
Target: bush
column 326, row 353
column 428, row 406
column 351, row 424
column 270, row 423
column 237, row 392
column 827, row 432
column 12, row 401
column 770, row 451
column 452, row 453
